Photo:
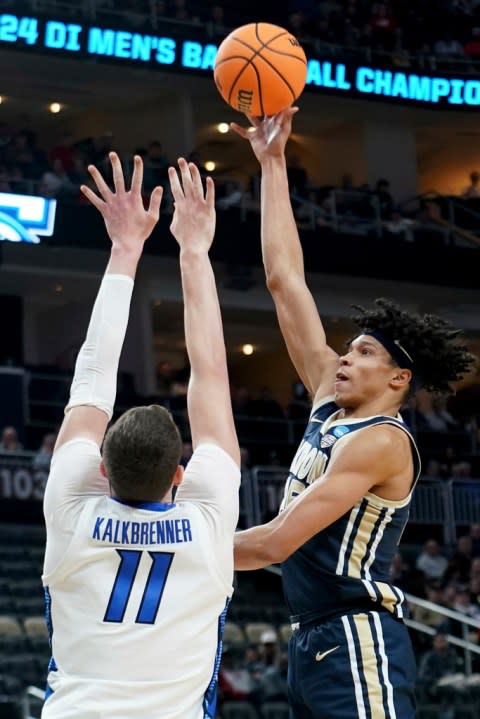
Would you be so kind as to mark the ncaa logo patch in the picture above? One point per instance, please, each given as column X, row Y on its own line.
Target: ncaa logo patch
column 327, row 441
column 340, row 431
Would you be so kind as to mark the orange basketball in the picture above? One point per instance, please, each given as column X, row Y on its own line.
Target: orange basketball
column 260, row 69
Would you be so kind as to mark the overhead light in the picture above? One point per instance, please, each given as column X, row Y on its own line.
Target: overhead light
column 247, row 349
column 59, row 288
column 210, row 166
column 55, row 107
column 1, row 99
column 223, row 127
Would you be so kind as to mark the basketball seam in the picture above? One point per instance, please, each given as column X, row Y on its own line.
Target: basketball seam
column 249, row 61
column 257, row 52
column 271, row 49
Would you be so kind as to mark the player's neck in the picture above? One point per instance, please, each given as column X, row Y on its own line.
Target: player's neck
column 370, row 409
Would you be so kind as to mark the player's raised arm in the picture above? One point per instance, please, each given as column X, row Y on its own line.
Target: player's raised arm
column 193, row 226
column 297, row 313
column 128, row 224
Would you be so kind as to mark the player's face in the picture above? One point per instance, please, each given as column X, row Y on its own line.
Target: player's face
column 364, row 373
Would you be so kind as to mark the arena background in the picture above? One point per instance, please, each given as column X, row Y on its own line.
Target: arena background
column 413, row 237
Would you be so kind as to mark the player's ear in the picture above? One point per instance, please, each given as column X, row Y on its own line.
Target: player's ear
column 178, row 476
column 103, row 469
column 401, row 378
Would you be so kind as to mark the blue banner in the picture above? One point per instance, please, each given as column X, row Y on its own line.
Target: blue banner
column 172, row 51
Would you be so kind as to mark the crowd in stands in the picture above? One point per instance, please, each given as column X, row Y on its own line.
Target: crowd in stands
column 349, row 207
column 441, row 29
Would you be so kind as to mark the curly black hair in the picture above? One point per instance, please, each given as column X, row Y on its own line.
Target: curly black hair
column 432, row 342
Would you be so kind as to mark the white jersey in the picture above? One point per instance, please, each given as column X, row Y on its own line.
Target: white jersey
column 137, row 595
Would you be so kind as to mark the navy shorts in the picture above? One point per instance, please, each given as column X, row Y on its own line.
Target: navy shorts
column 357, row 666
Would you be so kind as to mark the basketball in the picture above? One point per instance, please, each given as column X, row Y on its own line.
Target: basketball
column 260, row 69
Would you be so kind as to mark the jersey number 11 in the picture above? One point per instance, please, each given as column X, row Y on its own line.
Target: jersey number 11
column 122, row 587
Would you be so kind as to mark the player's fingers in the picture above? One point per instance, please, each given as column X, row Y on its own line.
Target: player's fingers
column 155, row 200
column 210, row 193
column 118, row 181
column 196, row 179
column 187, row 182
column 137, row 177
column 239, row 130
column 102, row 186
column 175, row 185
column 92, row 197
column 254, row 121
column 286, row 115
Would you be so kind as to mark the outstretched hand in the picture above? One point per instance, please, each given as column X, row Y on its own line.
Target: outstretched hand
column 128, row 223
column 269, row 136
column 193, row 223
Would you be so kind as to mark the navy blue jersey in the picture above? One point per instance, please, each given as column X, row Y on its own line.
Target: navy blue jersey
column 345, row 566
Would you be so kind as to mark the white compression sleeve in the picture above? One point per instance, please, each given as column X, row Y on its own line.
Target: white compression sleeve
column 95, row 379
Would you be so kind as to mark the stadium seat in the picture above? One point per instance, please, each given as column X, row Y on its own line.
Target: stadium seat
column 9, row 625
column 6, row 605
column 35, row 626
column 30, row 605
column 10, row 708
column 13, row 644
column 26, row 588
column 254, row 631
column 238, row 710
column 233, row 635
column 17, row 570
column 274, row 710
column 27, row 669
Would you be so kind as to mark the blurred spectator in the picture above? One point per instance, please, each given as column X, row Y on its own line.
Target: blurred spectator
column 234, row 681
column 448, row 47
column 273, row 680
column 472, row 47
column 461, row 470
column 475, row 536
column 399, row 571
column 55, row 181
column 431, row 561
column 439, row 662
column 78, row 174
column 300, row 405
column 433, row 413
column 463, row 603
column 241, row 401
column 382, row 191
column 383, row 25
column 64, row 152
column 43, row 457
column 265, row 405
column 459, row 564
column 231, row 196
column 473, row 189
column 10, row 441
column 297, row 176
column 165, row 376
column 428, row 616
column 155, row 166
column 269, row 647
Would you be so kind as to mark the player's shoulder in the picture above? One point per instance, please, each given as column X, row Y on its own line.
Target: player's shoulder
column 322, row 408
column 378, row 439
column 209, row 451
